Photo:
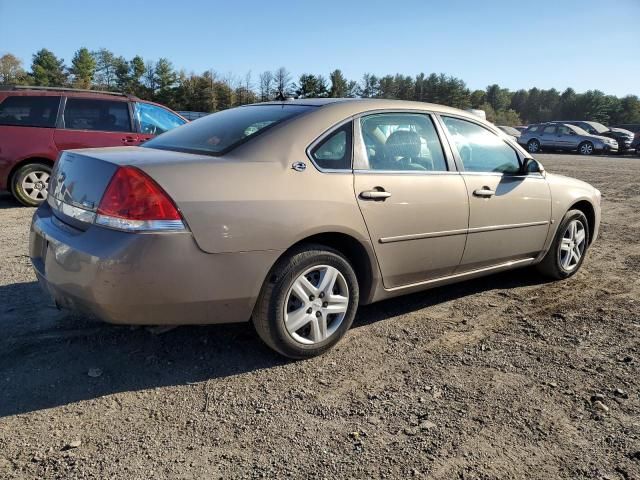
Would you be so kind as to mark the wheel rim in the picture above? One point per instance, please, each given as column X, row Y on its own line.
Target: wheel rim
column 572, row 245
column 35, row 184
column 586, row 149
column 316, row 304
column 533, row 147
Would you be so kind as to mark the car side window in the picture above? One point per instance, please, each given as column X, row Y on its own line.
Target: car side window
column 29, row 111
column 154, row 120
column 564, row 130
column 95, row 114
column 402, row 142
column 549, row 130
column 334, row 152
column 480, row 149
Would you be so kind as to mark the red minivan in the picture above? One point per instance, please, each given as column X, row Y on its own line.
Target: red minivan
column 37, row 123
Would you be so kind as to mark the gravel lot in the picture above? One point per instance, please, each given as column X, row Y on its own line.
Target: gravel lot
column 502, row 377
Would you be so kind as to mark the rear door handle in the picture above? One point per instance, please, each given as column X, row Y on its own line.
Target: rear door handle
column 375, row 194
column 129, row 139
column 484, row 192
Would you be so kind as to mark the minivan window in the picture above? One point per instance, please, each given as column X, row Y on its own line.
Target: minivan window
column 221, row 132
column 155, row 120
column 479, row 149
column 29, row 111
column 94, row 114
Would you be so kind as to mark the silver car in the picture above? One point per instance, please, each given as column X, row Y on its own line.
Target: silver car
column 562, row 136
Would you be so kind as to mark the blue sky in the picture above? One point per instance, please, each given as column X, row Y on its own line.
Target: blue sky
column 585, row 44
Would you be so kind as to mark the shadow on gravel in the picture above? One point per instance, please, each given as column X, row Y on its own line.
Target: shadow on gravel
column 7, row 201
column 49, row 358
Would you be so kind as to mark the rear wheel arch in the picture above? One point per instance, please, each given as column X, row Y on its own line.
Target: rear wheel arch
column 362, row 260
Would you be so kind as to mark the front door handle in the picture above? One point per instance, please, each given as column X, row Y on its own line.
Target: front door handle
column 375, row 194
column 484, row 192
column 129, row 139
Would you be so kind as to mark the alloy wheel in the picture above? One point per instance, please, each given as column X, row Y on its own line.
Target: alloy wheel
column 572, row 245
column 35, row 184
column 534, row 146
column 316, row 304
column 586, row 149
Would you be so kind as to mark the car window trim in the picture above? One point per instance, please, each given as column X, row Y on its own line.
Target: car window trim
column 361, row 159
column 61, row 111
column 326, row 134
column 456, row 154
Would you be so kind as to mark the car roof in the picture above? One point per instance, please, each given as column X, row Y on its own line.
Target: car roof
column 358, row 105
column 30, row 91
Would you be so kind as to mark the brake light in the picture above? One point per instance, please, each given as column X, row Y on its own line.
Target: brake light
column 134, row 201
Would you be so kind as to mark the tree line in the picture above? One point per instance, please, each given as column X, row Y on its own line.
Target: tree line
column 209, row 92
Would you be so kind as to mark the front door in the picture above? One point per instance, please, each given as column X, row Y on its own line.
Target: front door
column 414, row 206
column 548, row 137
column 92, row 122
column 509, row 212
column 568, row 138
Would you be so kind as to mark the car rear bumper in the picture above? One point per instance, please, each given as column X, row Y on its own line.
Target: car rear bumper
column 132, row 278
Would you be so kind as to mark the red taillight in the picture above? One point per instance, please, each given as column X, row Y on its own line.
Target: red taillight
column 133, row 195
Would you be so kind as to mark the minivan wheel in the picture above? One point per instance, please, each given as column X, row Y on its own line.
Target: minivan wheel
column 29, row 184
column 533, row 146
column 585, row 148
column 308, row 302
column 567, row 252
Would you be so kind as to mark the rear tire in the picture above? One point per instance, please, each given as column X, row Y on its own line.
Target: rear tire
column 294, row 311
column 533, row 146
column 29, row 183
column 567, row 252
column 586, row 148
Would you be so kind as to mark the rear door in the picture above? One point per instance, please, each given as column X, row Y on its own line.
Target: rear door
column 94, row 122
column 548, row 137
column 413, row 201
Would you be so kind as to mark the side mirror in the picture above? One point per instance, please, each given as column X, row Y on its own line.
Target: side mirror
column 531, row 165
column 571, row 132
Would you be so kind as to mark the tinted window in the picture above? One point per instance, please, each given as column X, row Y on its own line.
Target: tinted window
column 395, row 141
column 102, row 115
column 549, row 130
column 481, row 150
column 220, row 132
column 334, row 152
column 155, row 120
column 29, row 111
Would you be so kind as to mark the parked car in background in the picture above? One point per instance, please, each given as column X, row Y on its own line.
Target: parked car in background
column 622, row 136
column 37, row 123
column 259, row 203
column 520, row 128
column 190, row 115
column 632, row 127
column 511, row 131
column 562, row 136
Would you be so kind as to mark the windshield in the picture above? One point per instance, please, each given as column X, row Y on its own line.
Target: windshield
column 221, row 132
column 598, row 127
column 509, row 130
column 578, row 130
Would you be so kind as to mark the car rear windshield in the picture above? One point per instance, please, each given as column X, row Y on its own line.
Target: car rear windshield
column 29, row 111
column 221, row 132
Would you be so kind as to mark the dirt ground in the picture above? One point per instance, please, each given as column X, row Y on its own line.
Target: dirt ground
column 503, row 377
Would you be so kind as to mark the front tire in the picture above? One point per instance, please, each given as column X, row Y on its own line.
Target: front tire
column 30, row 182
column 586, row 148
column 569, row 247
column 308, row 302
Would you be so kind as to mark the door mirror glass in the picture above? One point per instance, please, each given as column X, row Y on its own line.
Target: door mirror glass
column 531, row 165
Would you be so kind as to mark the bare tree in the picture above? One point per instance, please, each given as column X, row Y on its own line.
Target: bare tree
column 266, row 86
column 282, row 80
